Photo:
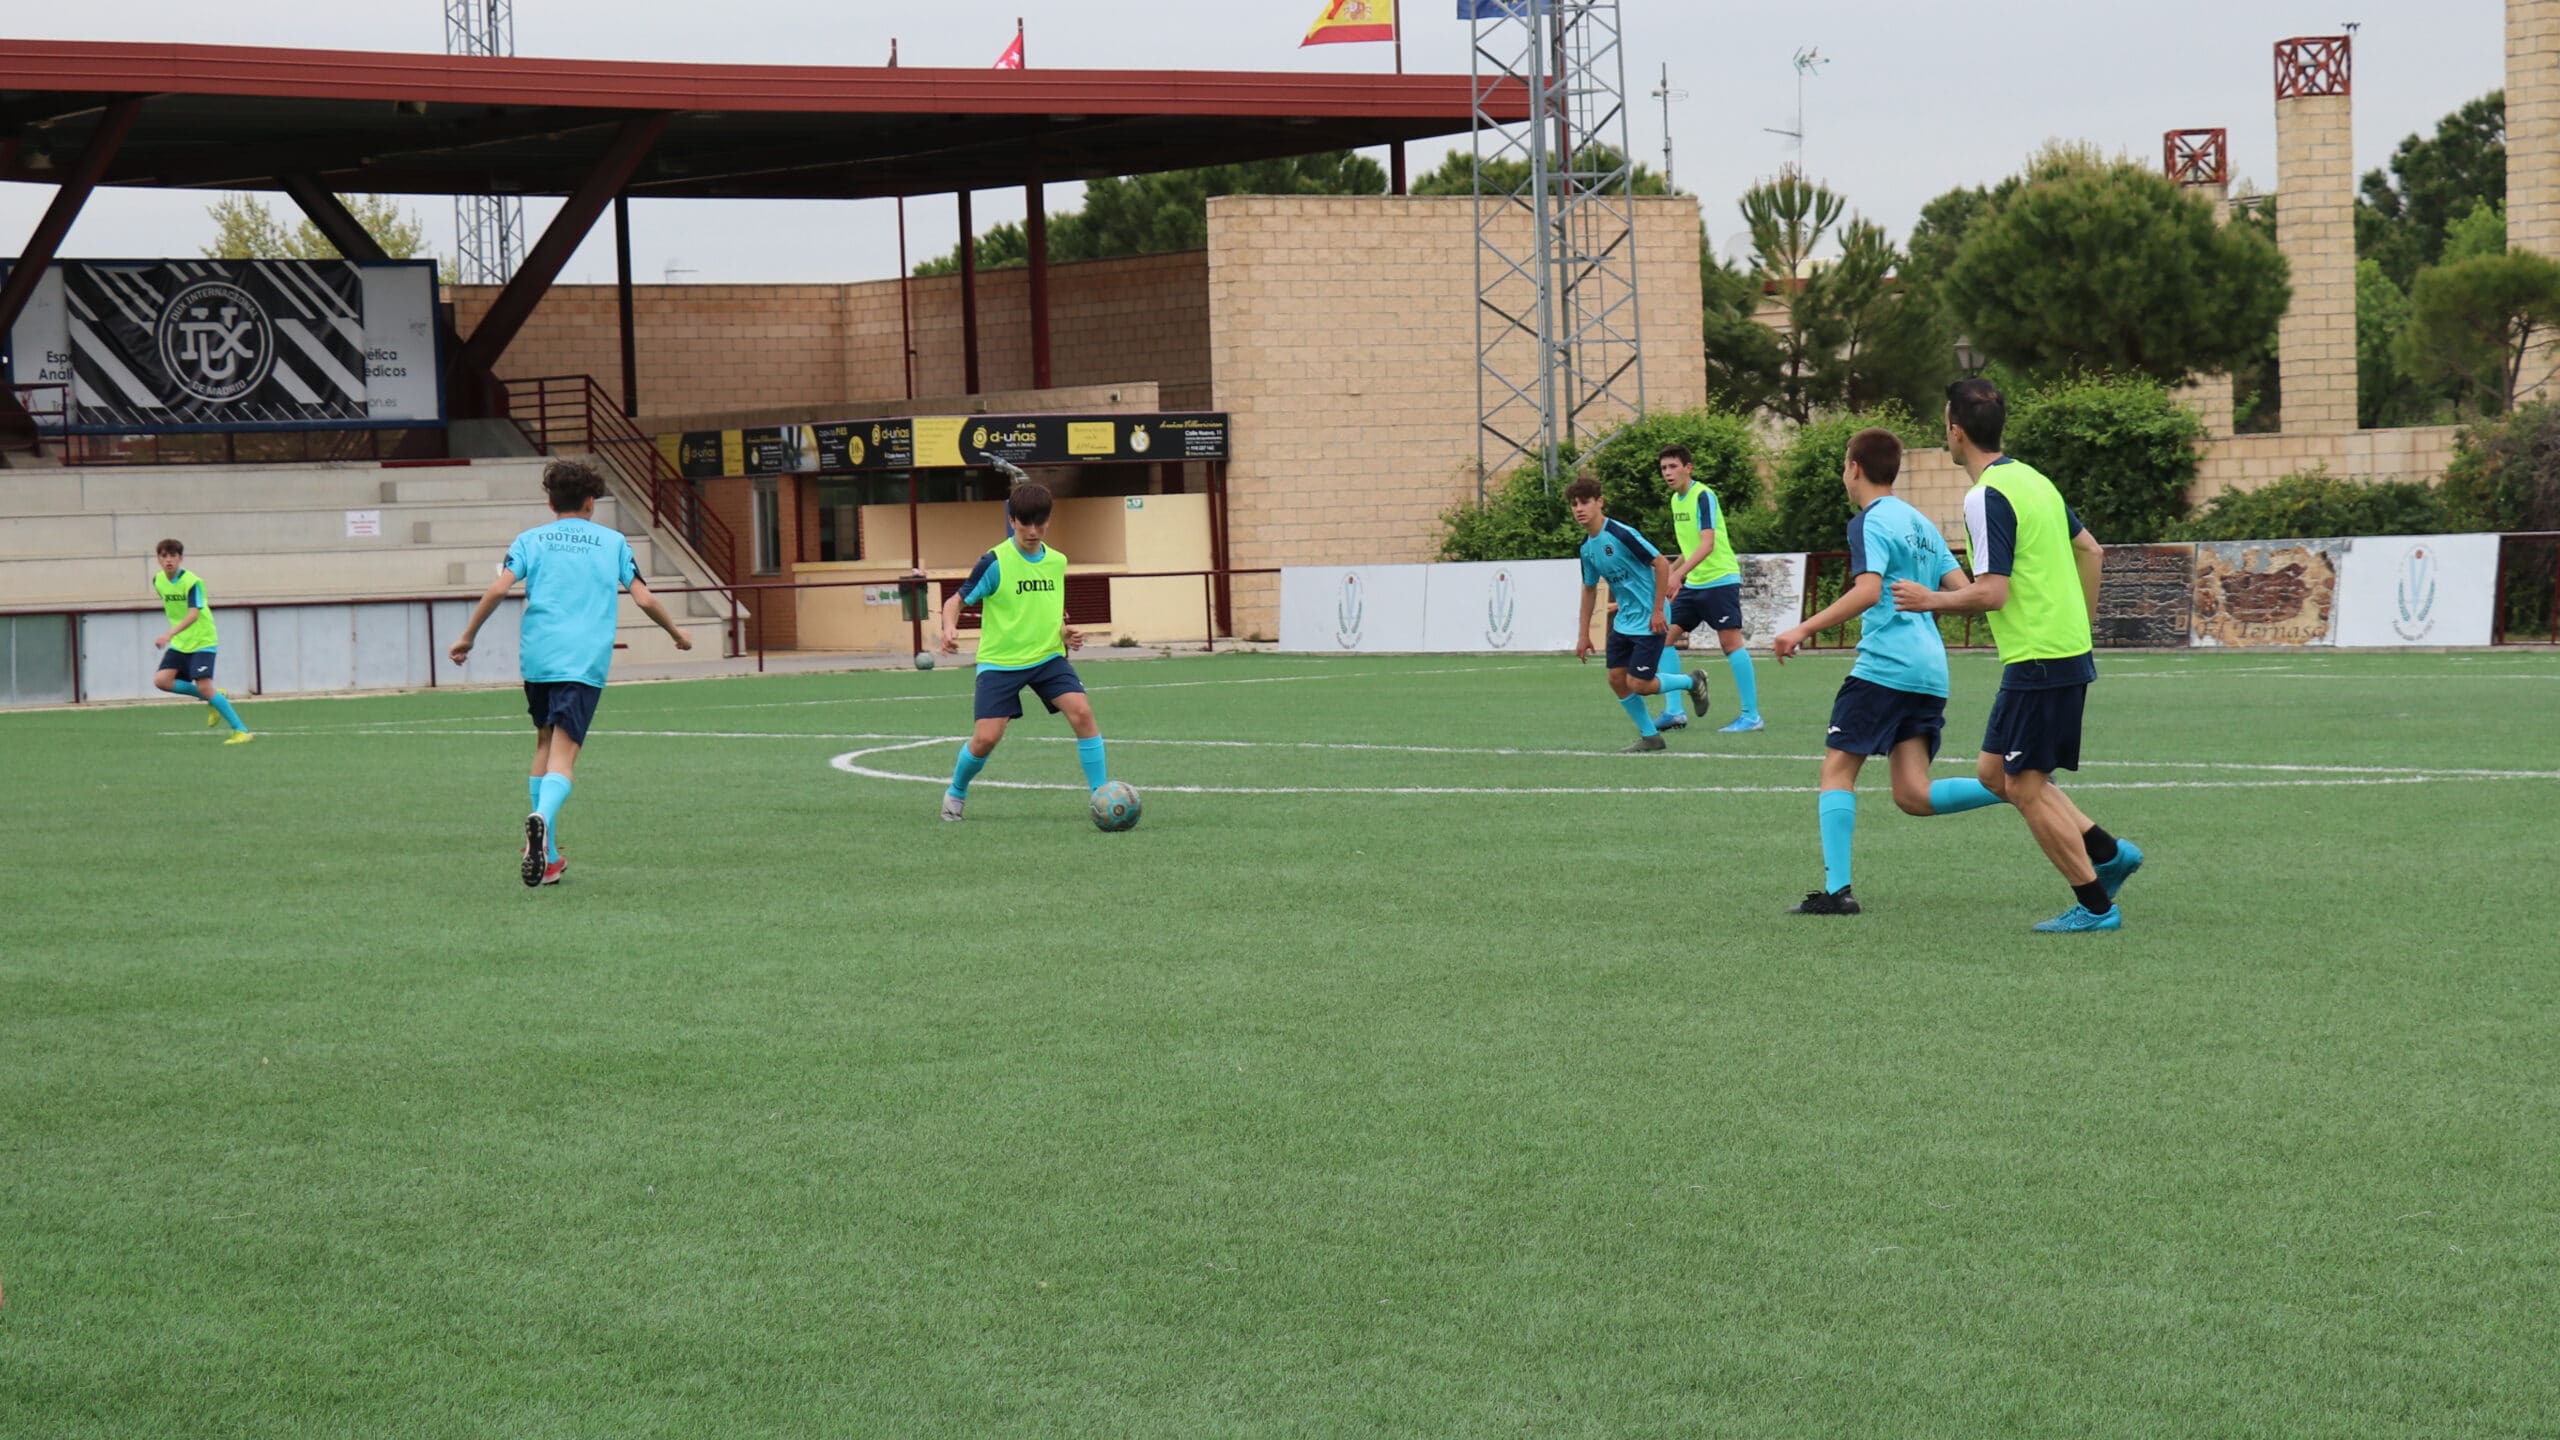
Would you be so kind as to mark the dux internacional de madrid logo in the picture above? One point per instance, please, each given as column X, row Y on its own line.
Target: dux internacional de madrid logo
column 1348, row 611
column 2415, row 615
column 1501, row 602
column 215, row 341
column 1138, row 441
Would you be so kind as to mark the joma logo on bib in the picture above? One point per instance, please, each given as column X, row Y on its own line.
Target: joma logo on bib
column 1026, row 587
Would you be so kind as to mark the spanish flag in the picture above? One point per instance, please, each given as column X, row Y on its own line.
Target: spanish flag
column 1345, row 21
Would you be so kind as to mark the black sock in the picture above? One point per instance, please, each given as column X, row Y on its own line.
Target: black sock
column 2093, row 898
column 2101, row 845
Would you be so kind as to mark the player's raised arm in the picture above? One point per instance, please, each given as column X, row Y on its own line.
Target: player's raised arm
column 2091, row 559
column 480, row 614
column 1859, row 598
column 651, row 606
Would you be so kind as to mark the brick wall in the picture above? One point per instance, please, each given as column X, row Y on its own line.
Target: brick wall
column 1342, row 342
column 2315, row 226
column 710, row 348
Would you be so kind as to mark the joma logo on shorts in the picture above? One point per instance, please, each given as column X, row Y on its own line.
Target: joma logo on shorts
column 1025, row 587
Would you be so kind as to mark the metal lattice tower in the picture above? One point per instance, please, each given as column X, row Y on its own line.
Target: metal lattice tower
column 1559, row 356
column 488, row 230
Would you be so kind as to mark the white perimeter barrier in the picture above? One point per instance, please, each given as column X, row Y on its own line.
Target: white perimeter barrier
column 2373, row 591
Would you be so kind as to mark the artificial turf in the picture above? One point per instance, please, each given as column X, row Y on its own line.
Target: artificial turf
column 1466, row 1082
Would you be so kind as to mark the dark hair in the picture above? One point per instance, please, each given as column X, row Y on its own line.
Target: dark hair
column 571, row 484
column 1673, row 452
column 1585, row 486
column 1877, row 454
column 169, row 547
column 1030, row 503
column 1975, row 407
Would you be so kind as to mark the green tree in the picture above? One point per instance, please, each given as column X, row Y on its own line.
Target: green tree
column 2313, row 503
column 2115, row 268
column 1789, row 219
column 1526, row 517
column 1743, row 359
column 1166, row 211
column 2401, row 217
column 2505, row 472
column 2483, row 326
column 2386, row 394
column 2121, row 446
column 1455, row 175
column 1813, row 509
column 245, row 229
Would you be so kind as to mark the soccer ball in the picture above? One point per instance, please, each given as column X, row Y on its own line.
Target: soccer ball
column 1115, row 806
column 924, row 659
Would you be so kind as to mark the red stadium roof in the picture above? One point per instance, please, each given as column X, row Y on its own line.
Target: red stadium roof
column 233, row 117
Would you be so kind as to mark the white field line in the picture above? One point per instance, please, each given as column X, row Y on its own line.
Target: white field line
column 2346, row 774
column 849, row 763
column 948, row 697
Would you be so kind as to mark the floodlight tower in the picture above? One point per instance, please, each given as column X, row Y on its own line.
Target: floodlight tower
column 1559, row 353
column 488, row 230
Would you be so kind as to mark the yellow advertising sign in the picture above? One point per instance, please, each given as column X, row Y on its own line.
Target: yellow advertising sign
column 938, row 439
column 1091, row 437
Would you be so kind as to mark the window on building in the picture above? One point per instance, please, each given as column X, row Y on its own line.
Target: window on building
column 768, row 525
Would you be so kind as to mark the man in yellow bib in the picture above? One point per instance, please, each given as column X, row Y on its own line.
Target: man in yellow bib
column 186, row 660
column 1020, row 589
column 2035, row 573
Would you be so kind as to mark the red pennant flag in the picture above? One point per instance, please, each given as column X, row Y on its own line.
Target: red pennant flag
column 1011, row 59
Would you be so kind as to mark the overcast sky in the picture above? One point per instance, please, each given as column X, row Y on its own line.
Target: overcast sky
column 1908, row 105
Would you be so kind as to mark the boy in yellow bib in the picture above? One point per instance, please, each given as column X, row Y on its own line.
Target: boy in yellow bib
column 1020, row 589
column 186, row 660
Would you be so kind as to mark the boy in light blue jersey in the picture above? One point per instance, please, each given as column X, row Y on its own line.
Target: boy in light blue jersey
column 573, row 569
column 1894, row 702
column 1638, row 578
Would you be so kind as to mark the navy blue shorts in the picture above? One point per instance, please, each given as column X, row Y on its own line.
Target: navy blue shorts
column 1639, row 655
column 563, row 705
column 1000, row 691
column 190, row 664
column 1870, row 719
column 2037, row 730
column 1717, row 607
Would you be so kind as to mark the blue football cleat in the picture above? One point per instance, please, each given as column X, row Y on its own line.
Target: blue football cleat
column 2115, row 872
column 2077, row 919
column 1744, row 726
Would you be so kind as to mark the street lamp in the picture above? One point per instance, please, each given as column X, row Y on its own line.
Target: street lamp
column 1968, row 359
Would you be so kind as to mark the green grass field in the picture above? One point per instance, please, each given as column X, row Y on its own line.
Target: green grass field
column 1423, row 1071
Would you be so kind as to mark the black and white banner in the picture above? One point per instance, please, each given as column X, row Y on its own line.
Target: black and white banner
column 215, row 342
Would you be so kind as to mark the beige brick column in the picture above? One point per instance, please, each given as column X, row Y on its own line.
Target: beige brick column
column 2533, row 126
column 2315, row 227
column 2211, row 394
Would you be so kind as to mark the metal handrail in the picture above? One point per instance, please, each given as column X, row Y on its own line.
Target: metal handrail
column 573, row 411
column 60, row 414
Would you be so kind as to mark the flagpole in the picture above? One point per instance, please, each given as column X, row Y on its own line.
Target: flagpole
column 1395, row 156
column 906, row 312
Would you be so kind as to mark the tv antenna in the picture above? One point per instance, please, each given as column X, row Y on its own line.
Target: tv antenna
column 1664, row 93
column 673, row 270
column 1808, row 61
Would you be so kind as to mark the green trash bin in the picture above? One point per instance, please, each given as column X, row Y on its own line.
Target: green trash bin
column 914, row 601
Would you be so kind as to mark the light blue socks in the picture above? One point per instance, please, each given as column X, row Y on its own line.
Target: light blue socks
column 1089, row 755
column 1635, row 708
column 964, row 771
column 550, row 793
column 1673, row 697
column 220, row 702
column 1746, row 685
column 1954, row 797
column 1839, row 812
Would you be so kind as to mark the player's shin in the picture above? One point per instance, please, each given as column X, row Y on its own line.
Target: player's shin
column 1838, row 814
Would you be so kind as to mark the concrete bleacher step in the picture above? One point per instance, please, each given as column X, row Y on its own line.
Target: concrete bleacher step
column 451, row 522
column 385, row 569
column 199, row 490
